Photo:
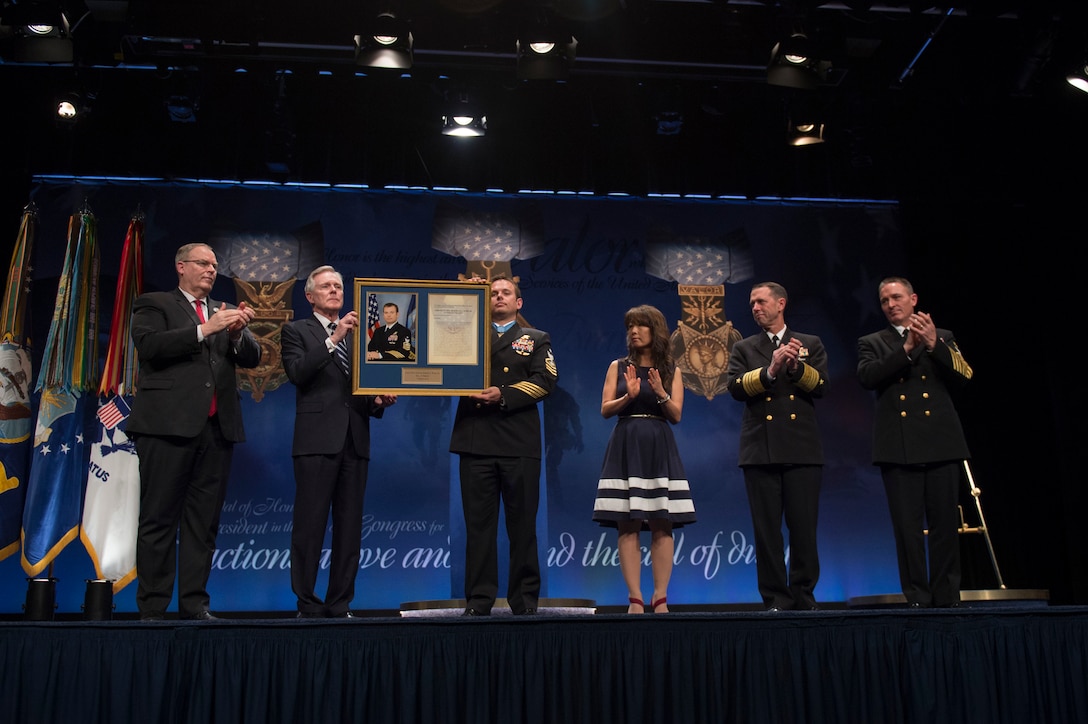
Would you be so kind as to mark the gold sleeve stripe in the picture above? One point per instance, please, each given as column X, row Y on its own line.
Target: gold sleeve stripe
column 960, row 364
column 535, row 391
column 549, row 365
column 752, row 383
column 810, row 379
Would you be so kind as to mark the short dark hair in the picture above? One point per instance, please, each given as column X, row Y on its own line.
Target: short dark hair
column 777, row 289
column 894, row 280
column 517, row 289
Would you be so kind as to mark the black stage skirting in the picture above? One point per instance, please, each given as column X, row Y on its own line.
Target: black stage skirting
column 988, row 665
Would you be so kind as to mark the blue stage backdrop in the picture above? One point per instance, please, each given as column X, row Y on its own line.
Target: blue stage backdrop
column 582, row 262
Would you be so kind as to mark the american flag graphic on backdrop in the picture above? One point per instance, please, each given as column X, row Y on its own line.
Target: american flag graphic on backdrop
column 481, row 234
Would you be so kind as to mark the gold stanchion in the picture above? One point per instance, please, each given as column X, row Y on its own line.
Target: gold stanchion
column 976, row 493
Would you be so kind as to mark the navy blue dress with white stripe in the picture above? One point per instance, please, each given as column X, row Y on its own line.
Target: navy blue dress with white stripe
column 642, row 477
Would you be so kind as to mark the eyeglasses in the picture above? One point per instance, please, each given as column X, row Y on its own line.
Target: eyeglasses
column 202, row 263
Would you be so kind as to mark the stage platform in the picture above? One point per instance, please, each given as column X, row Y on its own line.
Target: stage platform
column 986, row 664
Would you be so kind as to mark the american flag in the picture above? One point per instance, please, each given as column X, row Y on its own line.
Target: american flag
column 113, row 412
column 372, row 322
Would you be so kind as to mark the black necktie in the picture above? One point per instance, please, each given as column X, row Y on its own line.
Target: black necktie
column 341, row 351
column 774, row 340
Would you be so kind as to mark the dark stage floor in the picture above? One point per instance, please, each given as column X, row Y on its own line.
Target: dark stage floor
column 988, row 663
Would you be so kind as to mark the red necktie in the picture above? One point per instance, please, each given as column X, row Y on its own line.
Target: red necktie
column 200, row 315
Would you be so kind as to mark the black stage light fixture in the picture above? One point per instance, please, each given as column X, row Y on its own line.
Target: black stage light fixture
column 545, row 54
column 1078, row 78
column 669, row 123
column 805, row 120
column 181, row 108
column 68, row 108
column 464, row 119
column 386, row 43
column 795, row 63
column 804, row 133
column 39, row 32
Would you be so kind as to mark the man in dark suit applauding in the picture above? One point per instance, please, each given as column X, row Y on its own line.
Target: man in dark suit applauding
column 914, row 367
column 778, row 374
column 330, row 448
column 497, row 435
column 186, row 418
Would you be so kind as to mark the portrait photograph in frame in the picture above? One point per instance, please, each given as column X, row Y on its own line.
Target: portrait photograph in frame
column 422, row 337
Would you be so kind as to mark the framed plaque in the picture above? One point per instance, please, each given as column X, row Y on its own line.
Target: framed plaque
column 422, row 337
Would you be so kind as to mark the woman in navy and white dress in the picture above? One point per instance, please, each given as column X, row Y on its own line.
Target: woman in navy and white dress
column 642, row 484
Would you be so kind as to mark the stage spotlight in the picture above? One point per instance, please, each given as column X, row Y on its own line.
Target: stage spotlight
column 181, row 109
column 795, row 63
column 545, row 55
column 805, row 133
column 39, row 32
column 387, row 43
column 1079, row 78
column 67, row 109
column 669, row 123
column 464, row 119
column 70, row 108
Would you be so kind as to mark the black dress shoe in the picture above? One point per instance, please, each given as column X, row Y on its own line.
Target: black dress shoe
column 151, row 617
column 915, row 604
column 773, row 609
column 526, row 612
column 204, row 615
column 345, row 614
column 308, row 614
column 473, row 612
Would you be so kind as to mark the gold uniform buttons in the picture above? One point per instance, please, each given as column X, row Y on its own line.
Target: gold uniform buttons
column 903, row 413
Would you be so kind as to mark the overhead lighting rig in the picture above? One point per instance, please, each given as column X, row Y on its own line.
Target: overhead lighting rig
column 386, row 43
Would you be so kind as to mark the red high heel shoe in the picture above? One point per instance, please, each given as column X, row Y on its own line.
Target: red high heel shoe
column 637, row 602
column 659, row 602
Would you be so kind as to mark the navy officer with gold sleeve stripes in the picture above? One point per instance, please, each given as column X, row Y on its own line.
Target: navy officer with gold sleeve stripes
column 496, row 433
column 914, row 368
column 778, row 374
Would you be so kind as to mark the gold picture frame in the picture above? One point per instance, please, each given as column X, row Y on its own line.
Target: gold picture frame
column 446, row 349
